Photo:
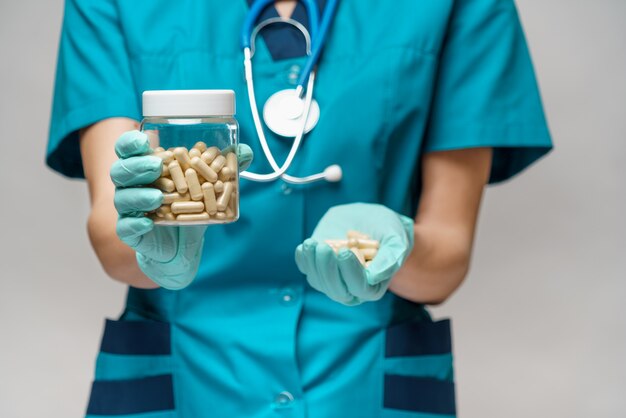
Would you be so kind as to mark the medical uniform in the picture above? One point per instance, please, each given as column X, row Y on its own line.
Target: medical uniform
column 249, row 337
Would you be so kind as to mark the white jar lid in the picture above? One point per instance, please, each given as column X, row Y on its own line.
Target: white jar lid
column 191, row 103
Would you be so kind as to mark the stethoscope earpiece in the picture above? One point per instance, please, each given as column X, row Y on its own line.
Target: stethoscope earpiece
column 333, row 173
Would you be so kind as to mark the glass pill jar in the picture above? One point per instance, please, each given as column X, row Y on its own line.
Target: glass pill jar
column 195, row 133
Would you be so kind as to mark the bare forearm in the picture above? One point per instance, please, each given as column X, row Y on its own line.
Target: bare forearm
column 117, row 259
column 436, row 266
column 97, row 150
column 453, row 184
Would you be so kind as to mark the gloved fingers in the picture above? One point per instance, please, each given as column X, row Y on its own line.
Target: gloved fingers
column 305, row 259
column 131, row 230
column 354, row 274
column 136, row 171
column 329, row 275
column 137, row 200
column 132, row 143
column 390, row 257
column 358, row 283
column 379, row 290
column 244, row 156
column 305, row 256
column 299, row 256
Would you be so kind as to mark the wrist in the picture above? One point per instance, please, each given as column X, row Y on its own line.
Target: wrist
column 436, row 266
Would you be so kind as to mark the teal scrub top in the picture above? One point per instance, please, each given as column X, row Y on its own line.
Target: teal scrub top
column 249, row 337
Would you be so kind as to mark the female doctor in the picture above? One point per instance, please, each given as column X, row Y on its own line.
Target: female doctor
column 421, row 103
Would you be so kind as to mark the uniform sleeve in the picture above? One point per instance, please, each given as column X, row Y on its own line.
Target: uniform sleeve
column 486, row 93
column 93, row 80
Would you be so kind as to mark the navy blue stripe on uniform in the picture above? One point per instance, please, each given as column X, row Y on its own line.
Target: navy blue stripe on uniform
column 418, row 339
column 133, row 396
column 136, row 337
column 419, row 394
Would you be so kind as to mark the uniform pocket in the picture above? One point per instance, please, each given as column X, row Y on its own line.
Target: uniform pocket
column 418, row 378
column 132, row 396
column 133, row 371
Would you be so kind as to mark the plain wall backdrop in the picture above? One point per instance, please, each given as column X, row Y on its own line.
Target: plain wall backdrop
column 539, row 325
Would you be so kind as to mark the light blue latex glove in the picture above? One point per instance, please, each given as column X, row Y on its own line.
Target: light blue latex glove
column 168, row 255
column 341, row 276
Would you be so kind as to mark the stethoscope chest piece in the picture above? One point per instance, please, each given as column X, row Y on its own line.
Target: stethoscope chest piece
column 289, row 113
column 283, row 113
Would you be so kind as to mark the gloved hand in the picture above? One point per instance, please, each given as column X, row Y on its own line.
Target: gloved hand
column 169, row 255
column 341, row 276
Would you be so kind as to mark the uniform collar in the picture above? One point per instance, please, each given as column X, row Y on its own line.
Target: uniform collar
column 285, row 41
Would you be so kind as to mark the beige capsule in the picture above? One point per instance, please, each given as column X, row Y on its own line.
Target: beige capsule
column 200, row 178
column 226, row 173
column 233, row 204
column 179, row 178
column 166, row 156
column 368, row 253
column 356, row 234
column 158, row 149
column 165, row 170
column 353, row 242
column 181, row 155
column 222, row 200
column 194, row 152
column 175, row 197
column 200, row 146
column 210, row 202
column 195, row 191
column 234, row 200
column 187, row 207
column 220, row 215
column 188, row 217
column 337, row 243
column 358, row 254
column 231, row 162
column 209, row 155
column 163, row 210
column 229, row 213
column 203, row 169
column 218, row 163
column 219, row 186
column 164, row 184
column 170, row 217
column 367, row 243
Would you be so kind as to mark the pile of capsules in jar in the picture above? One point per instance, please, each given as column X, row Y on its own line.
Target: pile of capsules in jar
column 199, row 185
column 362, row 245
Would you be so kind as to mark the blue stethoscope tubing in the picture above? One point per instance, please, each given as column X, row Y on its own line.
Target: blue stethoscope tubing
column 303, row 90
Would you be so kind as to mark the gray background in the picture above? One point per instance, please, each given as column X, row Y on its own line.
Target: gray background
column 539, row 324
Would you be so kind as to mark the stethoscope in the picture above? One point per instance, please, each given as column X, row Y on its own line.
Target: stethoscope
column 290, row 112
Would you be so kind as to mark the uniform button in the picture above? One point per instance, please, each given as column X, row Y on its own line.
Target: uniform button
column 285, row 189
column 283, row 400
column 293, row 74
column 287, row 296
